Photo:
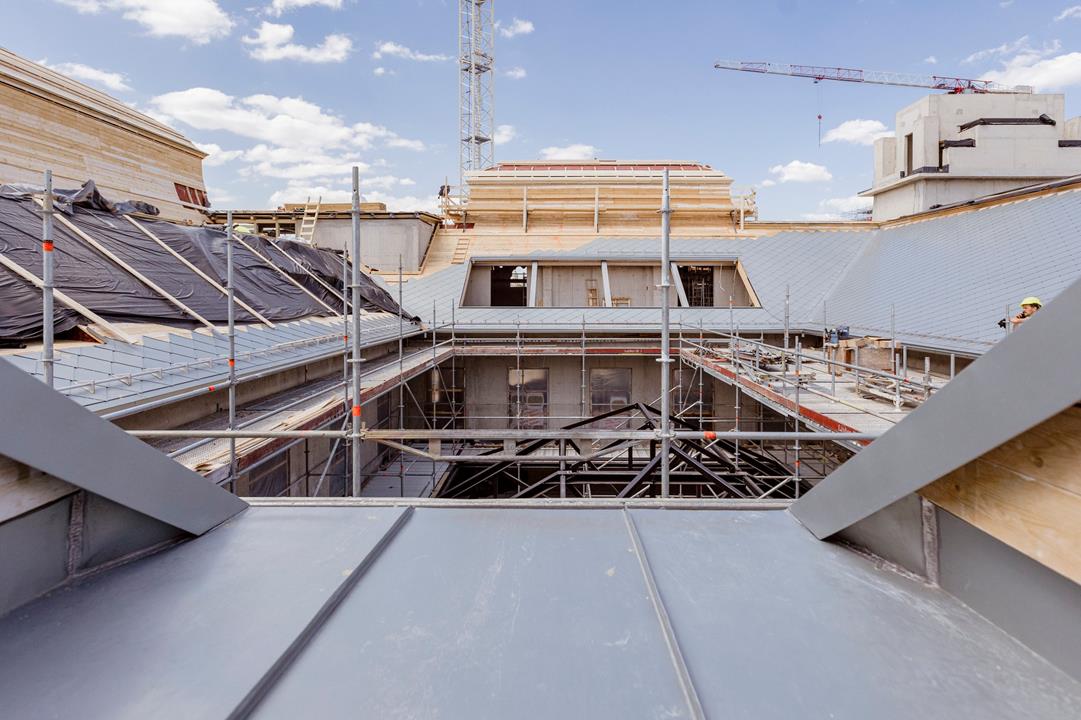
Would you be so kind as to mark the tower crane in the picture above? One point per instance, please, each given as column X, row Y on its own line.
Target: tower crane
column 953, row 85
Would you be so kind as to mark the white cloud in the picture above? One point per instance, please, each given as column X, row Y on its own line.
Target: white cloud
column 857, row 132
column 931, row 60
column 215, row 156
column 83, row 6
column 288, row 122
column 296, row 140
column 285, row 122
column 272, row 41
column 516, row 73
column 405, row 144
column 1019, row 48
column 219, row 195
column 1044, row 74
column 94, row 76
column 407, row 203
column 842, row 208
column 299, row 192
column 305, row 148
column 517, row 27
column 767, row 183
column 504, row 134
column 798, row 171
column 277, row 7
column 199, row 21
column 381, row 71
column 1006, row 48
column 1072, row 12
column 393, row 49
column 569, row 152
column 850, row 204
column 1042, row 68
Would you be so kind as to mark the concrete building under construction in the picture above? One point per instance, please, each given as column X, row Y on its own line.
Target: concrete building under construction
column 594, row 440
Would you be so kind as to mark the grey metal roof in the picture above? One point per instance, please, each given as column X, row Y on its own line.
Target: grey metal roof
column 947, row 279
column 950, row 279
column 975, row 412
column 525, row 613
column 808, row 263
column 115, row 375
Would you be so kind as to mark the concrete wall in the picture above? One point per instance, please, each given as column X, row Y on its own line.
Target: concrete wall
column 930, row 191
column 478, row 289
column 1004, row 156
column 487, row 392
column 381, row 240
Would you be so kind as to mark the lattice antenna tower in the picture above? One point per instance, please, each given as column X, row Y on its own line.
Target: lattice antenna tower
column 476, row 103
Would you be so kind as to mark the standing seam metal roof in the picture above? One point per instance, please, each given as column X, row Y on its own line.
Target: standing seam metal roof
column 947, row 279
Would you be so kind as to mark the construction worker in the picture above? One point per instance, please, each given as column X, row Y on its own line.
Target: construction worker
column 1029, row 306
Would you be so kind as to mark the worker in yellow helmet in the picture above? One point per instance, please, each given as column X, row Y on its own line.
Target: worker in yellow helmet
column 1029, row 306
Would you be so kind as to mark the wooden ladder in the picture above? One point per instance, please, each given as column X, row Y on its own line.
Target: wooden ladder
column 461, row 251
column 307, row 223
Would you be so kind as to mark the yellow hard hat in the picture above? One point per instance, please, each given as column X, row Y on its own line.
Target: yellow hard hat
column 1030, row 300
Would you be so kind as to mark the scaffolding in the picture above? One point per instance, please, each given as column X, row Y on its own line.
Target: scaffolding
column 679, row 444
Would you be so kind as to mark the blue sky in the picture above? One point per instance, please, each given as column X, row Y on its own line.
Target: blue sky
column 290, row 93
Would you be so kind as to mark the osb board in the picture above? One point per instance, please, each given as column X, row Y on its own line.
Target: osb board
column 1026, row 493
column 36, row 135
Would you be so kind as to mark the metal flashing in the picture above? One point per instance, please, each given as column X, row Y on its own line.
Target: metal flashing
column 41, row 428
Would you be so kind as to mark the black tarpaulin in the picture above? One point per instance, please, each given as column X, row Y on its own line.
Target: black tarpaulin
column 79, row 271
column 328, row 266
column 85, row 274
column 256, row 283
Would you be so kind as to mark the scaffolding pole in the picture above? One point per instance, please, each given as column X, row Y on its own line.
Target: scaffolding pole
column 47, row 357
column 401, row 376
column 666, row 350
column 355, row 359
column 230, row 299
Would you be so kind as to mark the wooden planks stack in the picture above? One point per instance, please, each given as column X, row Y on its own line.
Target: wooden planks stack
column 874, row 353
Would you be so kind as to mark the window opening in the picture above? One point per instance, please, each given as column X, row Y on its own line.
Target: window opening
column 698, row 284
column 527, row 395
column 509, row 285
column 609, row 389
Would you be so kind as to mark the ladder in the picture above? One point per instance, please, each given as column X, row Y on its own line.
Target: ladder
column 307, row 223
column 461, row 251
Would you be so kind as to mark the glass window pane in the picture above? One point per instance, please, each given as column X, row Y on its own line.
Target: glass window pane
column 609, row 388
column 528, row 397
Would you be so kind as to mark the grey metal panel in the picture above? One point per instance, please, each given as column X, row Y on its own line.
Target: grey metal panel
column 33, row 554
column 185, row 633
column 43, row 429
column 517, row 613
column 492, row 614
column 110, row 531
column 1031, row 602
column 996, row 398
column 894, row 533
column 774, row 624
